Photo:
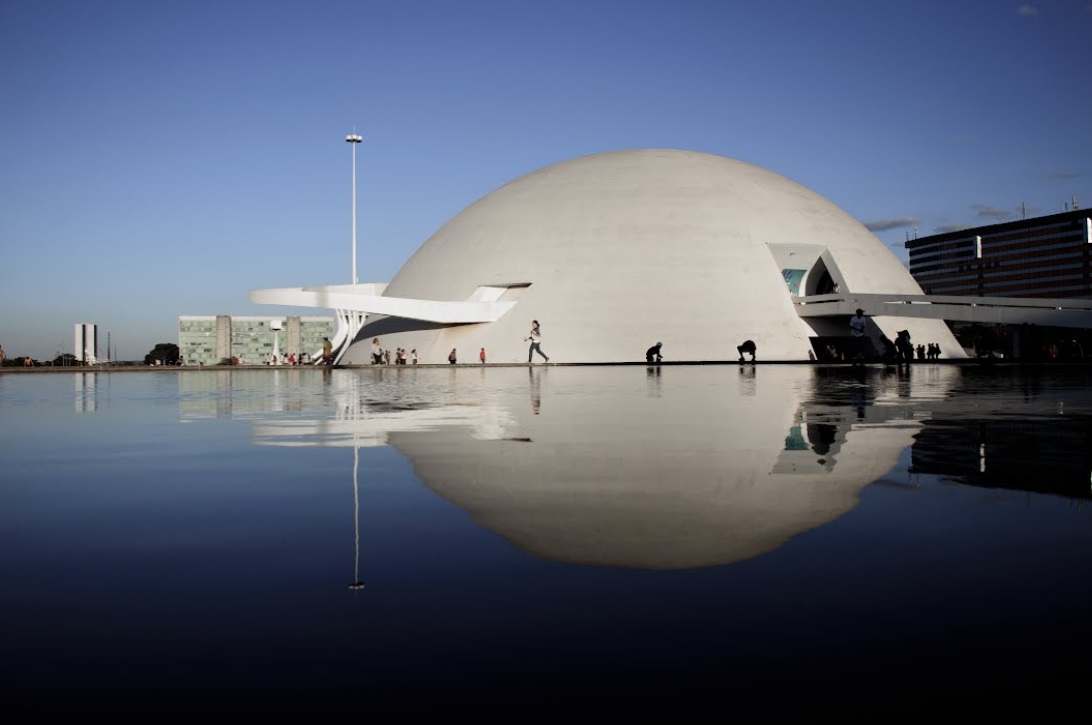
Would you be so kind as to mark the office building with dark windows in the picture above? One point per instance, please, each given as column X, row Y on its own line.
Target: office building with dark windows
column 1048, row 256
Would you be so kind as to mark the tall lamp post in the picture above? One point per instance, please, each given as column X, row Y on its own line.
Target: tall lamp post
column 276, row 326
column 354, row 139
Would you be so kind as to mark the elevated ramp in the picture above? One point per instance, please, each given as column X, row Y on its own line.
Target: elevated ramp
column 1075, row 313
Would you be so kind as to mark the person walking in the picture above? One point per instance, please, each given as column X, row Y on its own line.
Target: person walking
column 904, row 346
column 327, row 351
column 535, row 337
column 481, row 356
column 858, row 326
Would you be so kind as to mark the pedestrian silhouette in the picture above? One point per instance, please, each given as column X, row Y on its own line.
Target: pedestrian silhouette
column 858, row 329
column 904, row 346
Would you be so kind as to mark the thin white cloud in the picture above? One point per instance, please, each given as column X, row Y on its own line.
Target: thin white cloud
column 1062, row 175
column 945, row 228
column 883, row 225
column 1027, row 11
column 985, row 211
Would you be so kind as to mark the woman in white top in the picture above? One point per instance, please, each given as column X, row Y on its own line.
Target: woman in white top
column 536, row 340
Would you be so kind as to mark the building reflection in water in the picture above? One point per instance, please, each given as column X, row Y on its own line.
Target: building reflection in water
column 86, row 392
column 1051, row 456
column 691, row 467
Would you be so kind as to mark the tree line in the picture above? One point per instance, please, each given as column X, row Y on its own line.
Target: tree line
column 164, row 353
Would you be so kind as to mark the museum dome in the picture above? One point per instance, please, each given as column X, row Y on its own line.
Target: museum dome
column 615, row 251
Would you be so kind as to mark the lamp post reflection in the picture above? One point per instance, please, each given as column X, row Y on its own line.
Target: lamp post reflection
column 356, row 583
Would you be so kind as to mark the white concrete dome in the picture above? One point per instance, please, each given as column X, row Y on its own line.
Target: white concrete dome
column 617, row 251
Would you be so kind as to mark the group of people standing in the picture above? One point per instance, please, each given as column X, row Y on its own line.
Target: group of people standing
column 401, row 356
column 289, row 359
column 900, row 350
column 929, row 352
column 383, row 357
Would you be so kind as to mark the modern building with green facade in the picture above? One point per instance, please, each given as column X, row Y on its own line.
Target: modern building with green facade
column 212, row 339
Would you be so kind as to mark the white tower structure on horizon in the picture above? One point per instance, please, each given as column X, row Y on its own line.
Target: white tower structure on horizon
column 85, row 347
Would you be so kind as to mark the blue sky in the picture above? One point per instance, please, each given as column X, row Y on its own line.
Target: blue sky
column 160, row 159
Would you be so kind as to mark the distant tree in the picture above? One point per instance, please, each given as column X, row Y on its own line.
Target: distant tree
column 165, row 352
column 66, row 359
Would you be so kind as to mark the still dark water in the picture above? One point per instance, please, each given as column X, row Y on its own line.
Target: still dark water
column 774, row 542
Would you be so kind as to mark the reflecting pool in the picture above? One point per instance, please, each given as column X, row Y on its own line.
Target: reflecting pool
column 773, row 541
